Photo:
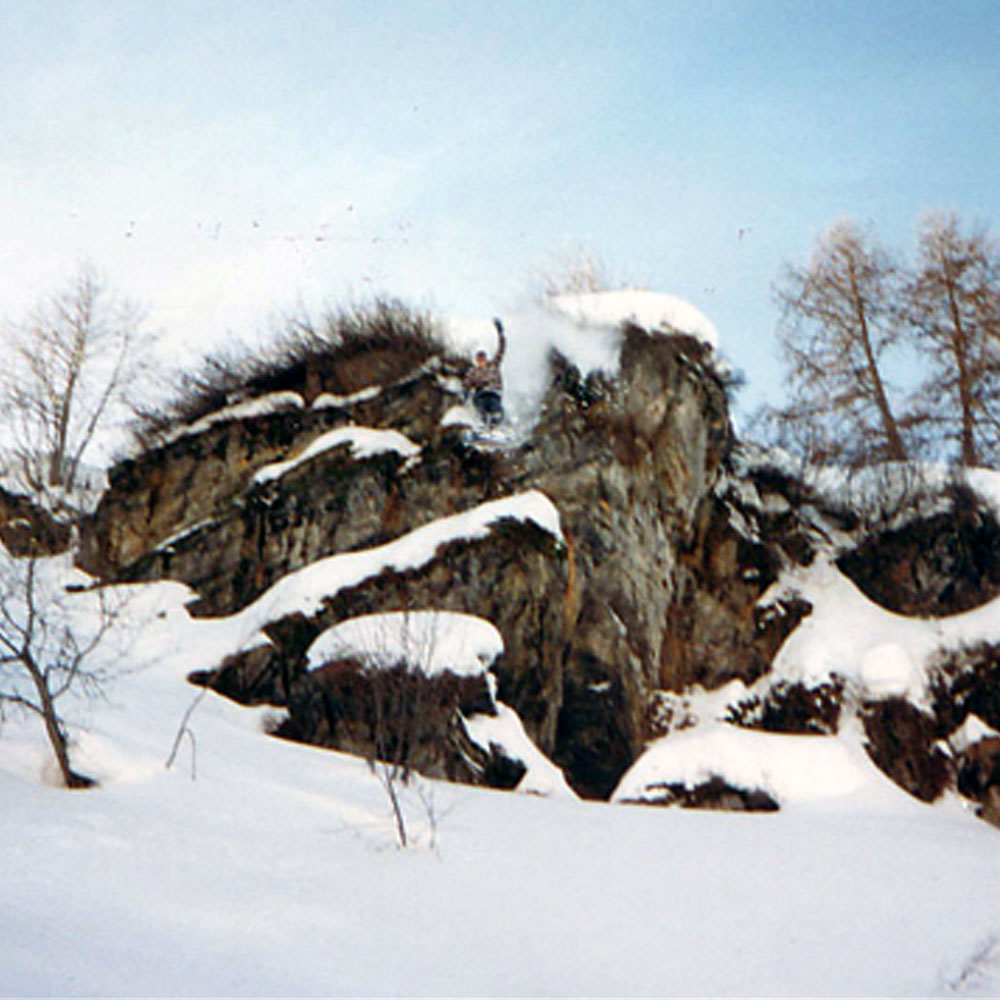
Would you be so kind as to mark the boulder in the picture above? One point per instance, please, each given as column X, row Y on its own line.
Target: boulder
column 937, row 564
column 28, row 529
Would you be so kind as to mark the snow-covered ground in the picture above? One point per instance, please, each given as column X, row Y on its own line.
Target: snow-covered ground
column 253, row 866
column 259, row 867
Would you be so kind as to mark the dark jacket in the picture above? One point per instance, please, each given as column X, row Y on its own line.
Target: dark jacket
column 487, row 375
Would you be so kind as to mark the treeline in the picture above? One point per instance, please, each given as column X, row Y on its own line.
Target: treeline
column 858, row 323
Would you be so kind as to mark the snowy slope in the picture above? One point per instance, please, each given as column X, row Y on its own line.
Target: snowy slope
column 253, row 866
column 259, row 867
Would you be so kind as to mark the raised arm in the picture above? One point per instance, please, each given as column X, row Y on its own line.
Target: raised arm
column 498, row 357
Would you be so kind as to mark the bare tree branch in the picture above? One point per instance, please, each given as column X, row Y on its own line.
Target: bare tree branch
column 53, row 645
column 838, row 323
column 952, row 307
column 70, row 363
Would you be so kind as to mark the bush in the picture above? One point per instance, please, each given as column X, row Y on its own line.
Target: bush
column 342, row 352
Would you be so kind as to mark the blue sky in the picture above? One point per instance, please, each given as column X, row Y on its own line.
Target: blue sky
column 224, row 161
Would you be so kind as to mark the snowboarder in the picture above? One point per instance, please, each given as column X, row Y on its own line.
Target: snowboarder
column 484, row 383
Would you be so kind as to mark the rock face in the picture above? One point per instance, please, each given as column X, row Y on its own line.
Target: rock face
column 942, row 564
column 656, row 582
column 28, row 529
column 711, row 794
column 402, row 719
column 756, row 521
column 630, row 463
column 966, row 691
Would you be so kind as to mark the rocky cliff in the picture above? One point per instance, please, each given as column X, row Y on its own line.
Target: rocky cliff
column 629, row 461
column 657, row 575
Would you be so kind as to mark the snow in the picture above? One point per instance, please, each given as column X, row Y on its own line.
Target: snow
column 329, row 400
column 902, row 490
column 262, row 867
column 653, row 311
column 431, row 641
column 971, row 732
column 305, row 590
column 877, row 652
column 792, row 769
column 275, row 402
column 192, row 529
column 460, row 416
column 986, row 482
column 363, row 442
column 506, row 731
column 888, row 671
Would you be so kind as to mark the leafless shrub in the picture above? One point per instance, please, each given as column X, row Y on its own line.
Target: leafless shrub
column 52, row 645
column 571, row 274
column 978, row 970
column 340, row 352
column 403, row 706
column 184, row 729
column 401, row 718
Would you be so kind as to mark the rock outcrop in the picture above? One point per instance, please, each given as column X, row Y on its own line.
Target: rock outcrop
column 27, row 528
column 940, row 564
column 661, row 577
column 630, row 463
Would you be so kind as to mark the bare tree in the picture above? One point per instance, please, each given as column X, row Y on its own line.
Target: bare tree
column 50, row 641
column 67, row 366
column 404, row 698
column 838, row 321
column 570, row 274
column 387, row 700
column 951, row 305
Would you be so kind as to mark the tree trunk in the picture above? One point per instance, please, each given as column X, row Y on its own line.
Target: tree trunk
column 894, row 440
column 54, row 730
column 960, row 344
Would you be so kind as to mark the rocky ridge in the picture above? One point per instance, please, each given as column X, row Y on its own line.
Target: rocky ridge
column 664, row 576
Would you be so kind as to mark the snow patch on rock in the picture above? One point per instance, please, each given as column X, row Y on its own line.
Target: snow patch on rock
column 971, row 732
column 364, row 442
column 789, row 768
column 653, row 311
column 431, row 642
column 888, row 671
column 506, row 731
column 275, row 402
